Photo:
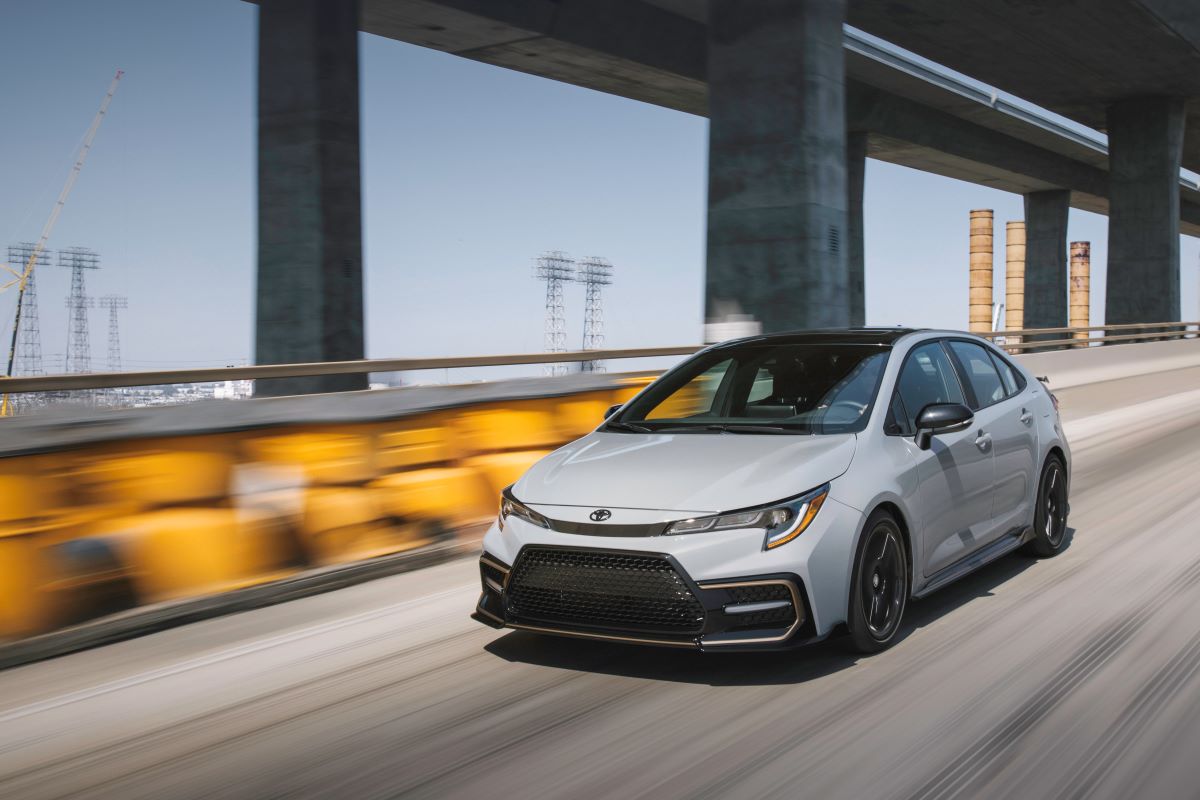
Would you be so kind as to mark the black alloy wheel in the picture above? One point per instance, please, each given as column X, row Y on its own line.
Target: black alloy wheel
column 1050, row 516
column 879, row 592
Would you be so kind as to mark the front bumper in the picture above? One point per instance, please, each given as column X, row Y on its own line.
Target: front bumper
column 760, row 612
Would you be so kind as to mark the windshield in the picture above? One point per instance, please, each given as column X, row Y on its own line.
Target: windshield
column 760, row 387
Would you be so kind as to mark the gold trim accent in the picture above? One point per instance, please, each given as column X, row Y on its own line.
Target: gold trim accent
column 486, row 559
column 479, row 607
column 498, row 566
column 603, row 636
column 797, row 606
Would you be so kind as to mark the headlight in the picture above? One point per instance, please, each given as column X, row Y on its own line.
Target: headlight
column 782, row 521
column 512, row 507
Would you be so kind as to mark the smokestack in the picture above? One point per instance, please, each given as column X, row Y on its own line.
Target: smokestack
column 1014, row 277
column 1081, row 288
column 980, row 317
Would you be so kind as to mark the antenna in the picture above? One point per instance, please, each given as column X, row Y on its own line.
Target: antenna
column 554, row 267
column 594, row 273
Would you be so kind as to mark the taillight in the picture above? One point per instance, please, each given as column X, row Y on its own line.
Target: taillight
column 1054, row 399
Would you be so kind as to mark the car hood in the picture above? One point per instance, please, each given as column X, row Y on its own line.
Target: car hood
column 692, row 472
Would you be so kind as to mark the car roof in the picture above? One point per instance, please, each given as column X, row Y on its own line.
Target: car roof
column 877, row 336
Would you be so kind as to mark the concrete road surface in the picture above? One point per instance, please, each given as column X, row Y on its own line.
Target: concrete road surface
column 1073, row 677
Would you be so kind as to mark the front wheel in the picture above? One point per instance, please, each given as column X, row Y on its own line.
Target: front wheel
column 1050, row 516
column 879, row 587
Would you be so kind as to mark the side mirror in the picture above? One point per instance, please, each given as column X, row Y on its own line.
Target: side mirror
column 938, row 418
column 612, row 410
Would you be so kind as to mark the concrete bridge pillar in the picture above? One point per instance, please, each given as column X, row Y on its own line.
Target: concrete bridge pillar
column 856, row 173
column 777, row 177
column 310, row 290
column 1145, row 144
column 1046, row 258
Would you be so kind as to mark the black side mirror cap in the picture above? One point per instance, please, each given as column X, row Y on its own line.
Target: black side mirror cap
column 612, row 410
column 938, row 418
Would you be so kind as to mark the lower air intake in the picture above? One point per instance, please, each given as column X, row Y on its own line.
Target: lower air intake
column 638, row 593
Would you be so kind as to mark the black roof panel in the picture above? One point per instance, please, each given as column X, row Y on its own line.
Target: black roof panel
column 883, row 336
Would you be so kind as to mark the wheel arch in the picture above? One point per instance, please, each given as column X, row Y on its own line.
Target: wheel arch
column 1057, row 451
column 898, row 514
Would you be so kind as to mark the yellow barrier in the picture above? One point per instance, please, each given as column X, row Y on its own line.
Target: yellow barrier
column 89, row 530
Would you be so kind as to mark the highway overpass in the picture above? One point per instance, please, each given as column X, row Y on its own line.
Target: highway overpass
column 1071, row 677
column 795, row 106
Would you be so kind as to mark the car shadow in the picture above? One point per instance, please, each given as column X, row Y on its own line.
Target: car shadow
column 747, row 668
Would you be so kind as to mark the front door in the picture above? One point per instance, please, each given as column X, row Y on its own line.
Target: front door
column 957, row 471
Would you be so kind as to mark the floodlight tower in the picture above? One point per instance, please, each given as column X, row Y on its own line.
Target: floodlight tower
column 28, row 256
column 594, row 273
column 554, row 267
column 114, row 303
column 79, row 348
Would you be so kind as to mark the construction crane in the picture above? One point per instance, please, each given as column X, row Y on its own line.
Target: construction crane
column 21, row 278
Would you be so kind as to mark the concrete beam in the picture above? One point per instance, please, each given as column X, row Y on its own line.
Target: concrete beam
column 1046, row 258
column 310, row 297
column 1145, row 146
column 777, row 189
column 898, row 118
column 655, row 51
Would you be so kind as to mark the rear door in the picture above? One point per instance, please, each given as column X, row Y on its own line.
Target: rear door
column 955, row 474
column 1008, row 425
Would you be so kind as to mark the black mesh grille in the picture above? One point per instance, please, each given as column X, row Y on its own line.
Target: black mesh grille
column 759, row 594
column 617, row 591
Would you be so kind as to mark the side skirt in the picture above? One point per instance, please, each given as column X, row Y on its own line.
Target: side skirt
column 960, row 569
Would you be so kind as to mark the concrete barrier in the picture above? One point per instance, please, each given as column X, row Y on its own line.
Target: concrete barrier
column 1077, row 367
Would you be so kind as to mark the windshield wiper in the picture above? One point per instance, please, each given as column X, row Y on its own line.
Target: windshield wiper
column 755, row 428
column 626, row 426
column 723, row 428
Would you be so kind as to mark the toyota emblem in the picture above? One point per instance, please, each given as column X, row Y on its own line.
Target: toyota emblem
column 600, row 515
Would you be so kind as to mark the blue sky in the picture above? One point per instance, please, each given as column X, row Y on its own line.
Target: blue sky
column 469, row 172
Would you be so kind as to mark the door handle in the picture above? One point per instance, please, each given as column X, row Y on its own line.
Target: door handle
column 1026, row 417
column 983, row 441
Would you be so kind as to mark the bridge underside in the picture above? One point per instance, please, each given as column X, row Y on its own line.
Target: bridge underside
column 784, row 94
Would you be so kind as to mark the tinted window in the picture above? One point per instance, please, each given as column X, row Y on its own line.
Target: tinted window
column 927, row 378
column 801, row 388
column 696, row 396
column 980, row 372
column 1013, row 382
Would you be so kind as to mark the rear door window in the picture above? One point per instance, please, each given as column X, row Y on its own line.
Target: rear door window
column 1013, row 382
column 980, row 373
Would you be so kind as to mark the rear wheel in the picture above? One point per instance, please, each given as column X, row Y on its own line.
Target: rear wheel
column 879, row 587
column 1050, row 515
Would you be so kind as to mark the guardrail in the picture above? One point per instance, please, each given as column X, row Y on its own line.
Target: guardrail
column 1013, row 340
column 1143, row 331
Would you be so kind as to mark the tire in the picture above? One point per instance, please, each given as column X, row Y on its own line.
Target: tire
column 1050, row 513
column 879, row 585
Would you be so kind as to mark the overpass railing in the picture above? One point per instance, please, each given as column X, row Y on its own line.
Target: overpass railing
column 1016, row 341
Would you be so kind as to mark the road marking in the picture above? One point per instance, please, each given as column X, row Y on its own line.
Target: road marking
column 224, row 655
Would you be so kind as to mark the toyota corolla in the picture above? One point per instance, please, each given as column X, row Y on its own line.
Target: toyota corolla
column 769, row 491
